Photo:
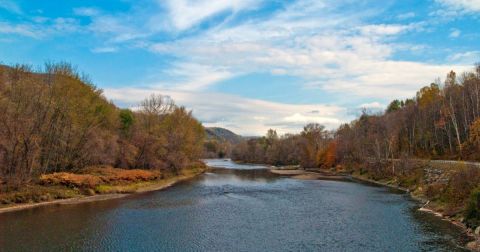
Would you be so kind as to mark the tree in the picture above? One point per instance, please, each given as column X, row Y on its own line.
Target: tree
column 184, row 137
column 394, row 106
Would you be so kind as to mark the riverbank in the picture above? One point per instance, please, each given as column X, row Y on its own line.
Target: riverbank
column 116, row 188
column 307, row 175
column 429, row 207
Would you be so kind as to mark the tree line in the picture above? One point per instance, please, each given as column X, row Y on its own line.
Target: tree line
column 57, row 120
column 441, row 122
column 313, row 147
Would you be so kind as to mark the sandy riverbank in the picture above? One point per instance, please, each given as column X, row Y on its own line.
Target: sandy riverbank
column 306, row 175
column 140, row 188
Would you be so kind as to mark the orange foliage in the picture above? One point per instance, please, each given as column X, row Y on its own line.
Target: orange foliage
column 93, row 176
column 108, row 173
column 70, row 179
column 330, row 156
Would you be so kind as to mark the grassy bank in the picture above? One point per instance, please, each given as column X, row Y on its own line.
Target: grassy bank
column 90, row 184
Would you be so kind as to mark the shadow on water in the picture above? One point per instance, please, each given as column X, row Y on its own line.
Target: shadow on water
column 230, row 209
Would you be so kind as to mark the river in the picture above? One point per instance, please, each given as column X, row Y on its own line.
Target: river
column 236, row 208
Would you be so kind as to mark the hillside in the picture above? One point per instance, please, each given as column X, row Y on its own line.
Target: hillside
column 221, row 135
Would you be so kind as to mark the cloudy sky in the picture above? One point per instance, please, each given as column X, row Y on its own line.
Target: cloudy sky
column 250, row 65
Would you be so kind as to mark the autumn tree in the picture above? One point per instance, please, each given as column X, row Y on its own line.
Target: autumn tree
column 57, row 120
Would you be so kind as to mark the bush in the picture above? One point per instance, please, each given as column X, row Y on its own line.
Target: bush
column 460, row 186
column 92, row 177
column 472, row 211
column 36, row 193
column 70, row 180
column 434, row 191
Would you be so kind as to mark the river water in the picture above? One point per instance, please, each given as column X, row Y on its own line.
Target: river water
column 236, row 208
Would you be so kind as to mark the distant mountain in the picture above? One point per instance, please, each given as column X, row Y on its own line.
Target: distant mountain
column 221, row 134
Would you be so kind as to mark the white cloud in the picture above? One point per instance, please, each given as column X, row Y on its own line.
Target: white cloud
column 455, row 33
column 407, row 15
column 42, row 28
column 196, row 77
column 107, row 49
column 19, row 29
column 461, row 5
column 385, row 30
column 116, row 29
column 10, row 6
column 373, row 105
column 242, row 115
column 187, row 13
column 467, row 58
column 339, row 57
column 86, row 11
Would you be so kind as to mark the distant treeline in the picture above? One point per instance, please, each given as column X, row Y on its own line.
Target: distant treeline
column 440, row 122
column 313, row 147
column 56, row 120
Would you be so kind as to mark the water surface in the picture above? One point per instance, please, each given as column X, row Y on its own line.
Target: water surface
column 241, row 208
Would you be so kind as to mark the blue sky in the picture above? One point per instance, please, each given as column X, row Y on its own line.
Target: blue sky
column 250, row 65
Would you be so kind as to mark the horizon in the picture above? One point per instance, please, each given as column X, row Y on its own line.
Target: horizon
column 248, row 66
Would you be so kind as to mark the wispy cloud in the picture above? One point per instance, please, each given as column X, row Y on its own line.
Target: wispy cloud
column 461, row 5
column 341, row 55
column 455, row 33
column 19, row 29
column 86, row 11
column 405, row 16
column 107, row 49
column 470, row 57
column 187, row 13
column 10, row 6
column 372, row 105
column 41, row 27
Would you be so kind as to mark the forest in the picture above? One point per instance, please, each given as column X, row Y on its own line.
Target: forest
column 55, row 120
column 440, row 122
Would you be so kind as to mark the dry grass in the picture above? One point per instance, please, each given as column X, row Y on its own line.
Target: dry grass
column 91, row 181
column 37, row 193
column 109, row 174
column 70, row 180
column 92, row 177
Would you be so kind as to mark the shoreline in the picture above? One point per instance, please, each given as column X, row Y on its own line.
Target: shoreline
column 155, row 186
column 473, row 245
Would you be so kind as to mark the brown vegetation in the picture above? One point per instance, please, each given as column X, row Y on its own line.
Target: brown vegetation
column 56, row 121
column 94, row 176
column 310, row 148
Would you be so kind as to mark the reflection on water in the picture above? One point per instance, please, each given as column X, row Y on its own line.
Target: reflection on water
column 235, row 210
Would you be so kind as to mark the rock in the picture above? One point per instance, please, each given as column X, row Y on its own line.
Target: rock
column 477, row 230
column 89, row 192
